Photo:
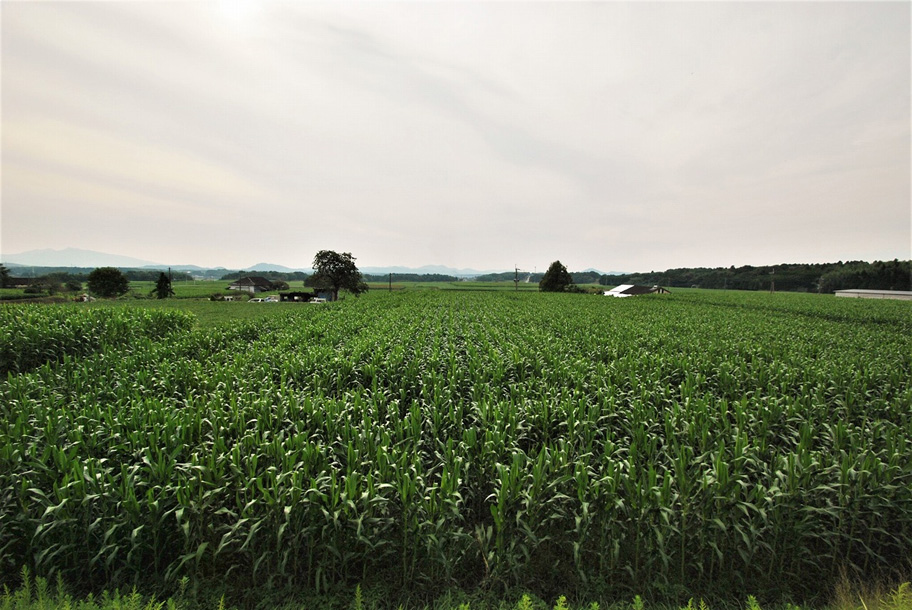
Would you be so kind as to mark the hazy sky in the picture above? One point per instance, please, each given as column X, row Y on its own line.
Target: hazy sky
column 621, row 136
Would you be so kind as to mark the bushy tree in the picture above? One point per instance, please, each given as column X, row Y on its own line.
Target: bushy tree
column 163, row 288
column 4, row 276
column 556, row 278
column 46, row 283
column 334, row 271
column 61, row 281
column 108, row 282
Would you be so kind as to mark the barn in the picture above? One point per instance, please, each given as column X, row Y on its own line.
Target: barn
column 632, row 290
column 858, row 293
column 251, row 284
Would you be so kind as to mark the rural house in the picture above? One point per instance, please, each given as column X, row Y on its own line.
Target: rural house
column 251, row 284
column 631, row 290
column 19, row 282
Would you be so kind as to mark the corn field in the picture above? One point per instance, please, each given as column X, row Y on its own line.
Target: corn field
column 34, row 335
column 677, row 445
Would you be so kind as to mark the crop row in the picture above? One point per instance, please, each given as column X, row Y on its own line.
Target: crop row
column 694, row 444
column 32, row 335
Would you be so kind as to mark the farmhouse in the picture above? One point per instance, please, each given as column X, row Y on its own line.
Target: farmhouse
column 858, row 293
column 631, row 290
column 251, row 284
column 19, row 282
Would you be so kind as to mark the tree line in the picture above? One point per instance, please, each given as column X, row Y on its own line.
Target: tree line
column 409, row 277
column 275, row 276
column 579, row 277
column 81, row 274
column 822, row 277
column 105, row 281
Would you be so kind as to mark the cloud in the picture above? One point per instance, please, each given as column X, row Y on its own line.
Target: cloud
column 143, row 167
column 630, row 135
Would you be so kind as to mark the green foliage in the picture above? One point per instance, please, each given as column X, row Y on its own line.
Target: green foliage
column 108, row 282
column 871, row 596
column 4, row 276
column 701, row 443
column 899, row 599
column 36, row 594
column 163, row 288
column 152, row 275
column 556, row 278
column 580, row 277
column 524, row 603
column 336, row 272
column 32, row 335
column 185, row 290
column 824, row 278
column 53, row 283
column 410, row 277
column 275, row 276
column 890, row 275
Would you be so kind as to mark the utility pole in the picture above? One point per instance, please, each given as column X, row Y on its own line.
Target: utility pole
column 772, row 282
column 391, row 282
column 516, row 278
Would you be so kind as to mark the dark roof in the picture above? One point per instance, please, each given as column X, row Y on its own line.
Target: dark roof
column 644, row 290
column 253, row 281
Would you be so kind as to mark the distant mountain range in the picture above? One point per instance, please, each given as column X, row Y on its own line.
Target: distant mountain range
column 426, row 269
column 72, row 257
column 76, row 257
column 273, row 267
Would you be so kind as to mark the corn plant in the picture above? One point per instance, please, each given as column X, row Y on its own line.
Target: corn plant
column 696, row 443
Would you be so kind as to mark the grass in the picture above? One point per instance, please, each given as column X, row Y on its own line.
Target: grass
column 209, row 314
column 36, row 594
column 459, row 285
column 205, row 288
column 871, row 596
column 470, row 286
column 195, row 289
column 11, row 292
column 182, row 290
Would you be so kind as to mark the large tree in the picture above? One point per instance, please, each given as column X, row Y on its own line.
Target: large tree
column 4, row 276
column 334, row 271
column 556, row 279
column 108, row 282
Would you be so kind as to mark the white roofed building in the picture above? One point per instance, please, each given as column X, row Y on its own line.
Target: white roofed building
column 859, row 293
column 632, row 290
